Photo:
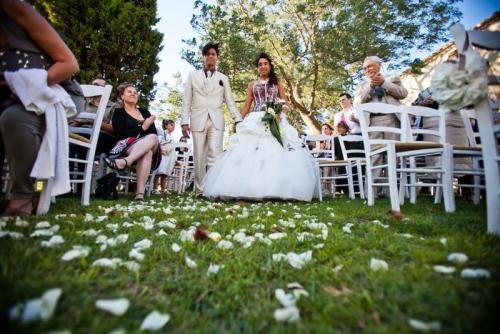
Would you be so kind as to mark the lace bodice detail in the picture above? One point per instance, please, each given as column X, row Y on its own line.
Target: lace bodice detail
column 263, row 92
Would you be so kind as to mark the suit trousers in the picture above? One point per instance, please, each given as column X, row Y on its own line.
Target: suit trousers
column 207, row 146
column 21, row 136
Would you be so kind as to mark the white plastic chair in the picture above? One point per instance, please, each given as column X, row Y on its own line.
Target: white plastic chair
column 374, row 147
column 410, row 149
column 488, row 129
column 90, row 144
column 325, row 162
column 352, row 154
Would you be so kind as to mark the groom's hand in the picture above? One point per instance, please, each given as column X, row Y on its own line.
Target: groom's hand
column 185, row 130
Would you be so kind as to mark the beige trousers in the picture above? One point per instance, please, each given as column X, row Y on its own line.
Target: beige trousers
column 207, row 146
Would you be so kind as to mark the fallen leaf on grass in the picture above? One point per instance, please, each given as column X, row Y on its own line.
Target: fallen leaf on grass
column 116, row 307
column 335, row 293
column 201, row 233
column 396, row 214
column 154, row 321
column 276, row 229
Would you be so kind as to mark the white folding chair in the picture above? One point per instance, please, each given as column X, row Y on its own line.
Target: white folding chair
column 325, row 159
column 385, row 147
column 407, row 152
column 89, row 144
column 356, row 157
column 474, row 152
column 488, row 129
column 183, row 172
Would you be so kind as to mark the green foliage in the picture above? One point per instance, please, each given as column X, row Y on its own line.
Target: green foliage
column 168, row 101
column 114, row 40
column 317, row 45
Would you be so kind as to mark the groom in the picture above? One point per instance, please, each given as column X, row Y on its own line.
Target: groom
column 202, row 114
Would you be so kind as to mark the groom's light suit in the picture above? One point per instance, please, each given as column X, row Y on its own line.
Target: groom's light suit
column 202, row 109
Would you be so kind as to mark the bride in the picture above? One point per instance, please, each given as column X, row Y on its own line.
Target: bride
column 257, row 166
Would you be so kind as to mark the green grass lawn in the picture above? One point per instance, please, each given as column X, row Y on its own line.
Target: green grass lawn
column 241, row 296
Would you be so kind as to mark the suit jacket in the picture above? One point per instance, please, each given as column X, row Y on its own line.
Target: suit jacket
column 394, row 91
column 203, row 97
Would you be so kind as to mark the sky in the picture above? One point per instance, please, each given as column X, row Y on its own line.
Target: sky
column 175, row 17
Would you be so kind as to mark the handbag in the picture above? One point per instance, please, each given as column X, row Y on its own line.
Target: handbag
column 166, row 148
column 106, row 187
column 121, row 146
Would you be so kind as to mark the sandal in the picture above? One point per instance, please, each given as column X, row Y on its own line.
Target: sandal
column 139, row 197
column 111, row 163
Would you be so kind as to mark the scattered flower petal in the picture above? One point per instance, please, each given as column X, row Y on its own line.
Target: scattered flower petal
column 288, row 314
column 116, row 307
column 155, row 321
column 190, row 263
column 444, row 269
column 376, row 264
column 457, row 258
column 419, row 325
column 77, row 252
column 176, row 248
column 475, row 273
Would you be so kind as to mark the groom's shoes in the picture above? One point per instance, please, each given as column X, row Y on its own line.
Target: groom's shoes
column 200, row 196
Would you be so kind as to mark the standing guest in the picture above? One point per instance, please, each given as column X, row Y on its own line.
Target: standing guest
column 168, row 155
column 377, row 88
column 202, row 114
column 137, row 139
column 26, row 41
column 347, row 114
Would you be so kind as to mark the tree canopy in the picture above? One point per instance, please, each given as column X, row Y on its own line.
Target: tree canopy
column 114, row 40
column 317, row 45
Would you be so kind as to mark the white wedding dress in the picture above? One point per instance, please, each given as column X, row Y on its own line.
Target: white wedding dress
column 256, row 166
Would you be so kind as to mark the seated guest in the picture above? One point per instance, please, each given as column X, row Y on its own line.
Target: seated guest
column 347, row 114
column 135, row 131
column 106, row 139
column 27, row 41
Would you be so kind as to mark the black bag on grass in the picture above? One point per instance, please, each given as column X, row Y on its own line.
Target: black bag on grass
column 106, row 187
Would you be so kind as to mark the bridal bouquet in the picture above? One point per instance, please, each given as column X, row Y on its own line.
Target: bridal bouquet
column 273, row 111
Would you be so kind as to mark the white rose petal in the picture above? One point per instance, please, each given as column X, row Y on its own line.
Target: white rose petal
column 136, row 254
column 457, row 258
column 77, row 252
column 143, row 244
column 347, row 228
column 376, row 264
column 21, row 223
column 190, row 263
column 277, row 236
column 338, row 268
column 176, row 248
column 286, row 299
column 116, row 307
column 43, row 224
column 424, row 326
column 213, row 269
column 214, row 236
column 443, row 241
column 319, row 246
column 444, row 269
column 53, row 241
column 225, row 244
column 132, row 266
column 474, row 273
column 288, row 314
column 161, row 233
column 105, row 262
column 294, row 285
column 41, row 308
column 155, row 321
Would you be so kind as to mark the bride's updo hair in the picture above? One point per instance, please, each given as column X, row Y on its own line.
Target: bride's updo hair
column 273, row 79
